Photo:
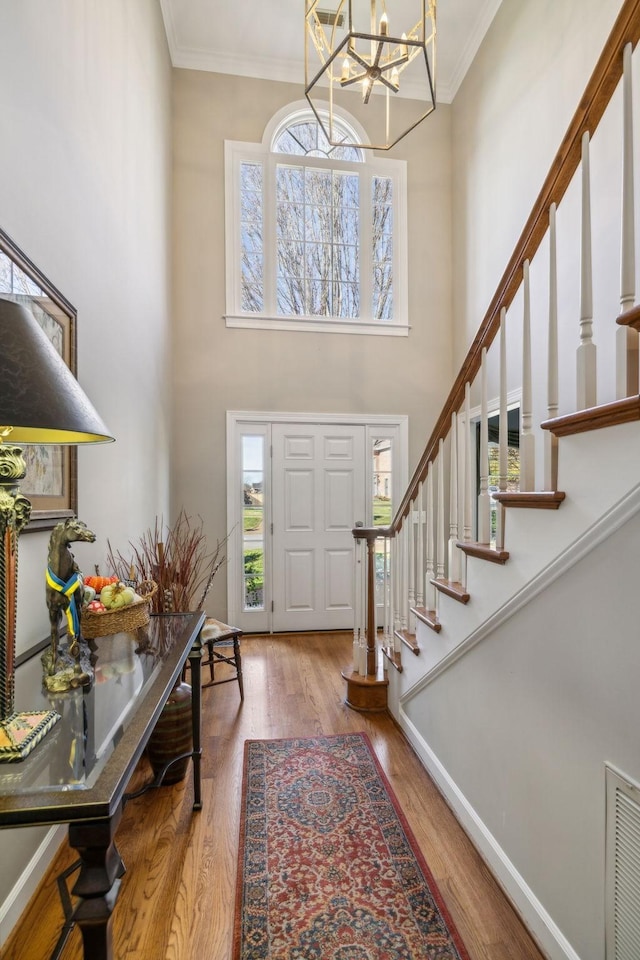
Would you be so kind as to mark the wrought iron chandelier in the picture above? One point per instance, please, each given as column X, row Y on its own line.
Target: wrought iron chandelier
column 355, row 49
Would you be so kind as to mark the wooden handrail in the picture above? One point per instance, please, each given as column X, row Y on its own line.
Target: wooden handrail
column 593, row 103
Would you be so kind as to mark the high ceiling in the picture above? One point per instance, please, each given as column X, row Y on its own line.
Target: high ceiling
column 265, row 39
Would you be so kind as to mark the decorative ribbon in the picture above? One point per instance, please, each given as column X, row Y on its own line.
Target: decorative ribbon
column 68, row 588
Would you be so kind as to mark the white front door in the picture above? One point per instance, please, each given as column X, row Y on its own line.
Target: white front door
column 318, row 494
column 297, row 485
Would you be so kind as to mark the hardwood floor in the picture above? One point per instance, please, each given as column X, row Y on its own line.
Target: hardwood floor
column 177, row 898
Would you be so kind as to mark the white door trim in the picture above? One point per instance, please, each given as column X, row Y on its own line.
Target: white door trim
column 236, row 418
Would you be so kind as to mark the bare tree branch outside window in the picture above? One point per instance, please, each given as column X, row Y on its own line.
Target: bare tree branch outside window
column 318, row 231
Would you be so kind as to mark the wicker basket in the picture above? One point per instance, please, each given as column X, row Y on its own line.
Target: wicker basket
column 124, row 619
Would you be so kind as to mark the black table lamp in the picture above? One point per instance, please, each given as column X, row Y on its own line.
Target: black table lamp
column 40, row 402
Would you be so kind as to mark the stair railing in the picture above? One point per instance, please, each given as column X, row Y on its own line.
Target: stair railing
column 430, row 536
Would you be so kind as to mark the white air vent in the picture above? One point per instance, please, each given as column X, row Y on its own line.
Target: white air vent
column 622, row 885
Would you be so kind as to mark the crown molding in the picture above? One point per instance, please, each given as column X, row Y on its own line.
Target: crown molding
column 484, row 21
column 292, row 71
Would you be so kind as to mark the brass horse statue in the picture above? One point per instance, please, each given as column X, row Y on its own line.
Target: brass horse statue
column 65, row 591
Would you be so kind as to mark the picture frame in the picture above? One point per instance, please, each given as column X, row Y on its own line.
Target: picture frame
column 51, row 480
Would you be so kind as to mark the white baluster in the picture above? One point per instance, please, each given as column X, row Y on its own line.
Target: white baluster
column 402, row 583
column 357, row 606
column 503, row 453
column 375, row 599
column 397, row 576
column 527, row 439
column 420, row 548
column 453, row 567
column 484, row 505
column 411, row 562
column 386, row 592
column 393, row 545
column 440, row 544
column 550, row 440
column 586, row 357
column 363, row 591
column 429, row 589
column 626, row 336
column 406, row 543
column 469, row 472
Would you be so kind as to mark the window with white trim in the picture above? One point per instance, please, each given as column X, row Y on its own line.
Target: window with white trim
column 315, row 234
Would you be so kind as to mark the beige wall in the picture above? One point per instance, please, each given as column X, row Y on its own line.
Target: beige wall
column 84, row 190
column 509, row 117
column 219, row 369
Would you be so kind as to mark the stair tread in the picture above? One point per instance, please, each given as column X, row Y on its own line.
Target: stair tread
column 595, row 418
column 430, row 617
column 409, row 640
column 483, row 551
column 393, row 656
column 453, row 589
column 535, row 499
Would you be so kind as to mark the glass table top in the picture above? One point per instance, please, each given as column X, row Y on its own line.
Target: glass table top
column 134, row 673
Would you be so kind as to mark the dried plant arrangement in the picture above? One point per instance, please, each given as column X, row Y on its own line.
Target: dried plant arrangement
column 176, row 558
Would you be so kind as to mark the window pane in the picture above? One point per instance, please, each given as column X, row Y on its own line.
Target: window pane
column 251, row 238
column 253, row 579
column 252, row 298
column 347, row 190
column 251, row 206
column 346, row 300
column 291, row 296
column 347, row 225
column 251, row 235
column 251, row 177
column 383, row 249
column 290, row 221
column 290, row 258
column 346, row 266
column 318, row 298
column 382, row 472
column 306, row 137
column 382, row 252
column 290, row 184
column 352, row 154
column 253, row 521
column 318, row 261
column 318, row 187
column 317, row 223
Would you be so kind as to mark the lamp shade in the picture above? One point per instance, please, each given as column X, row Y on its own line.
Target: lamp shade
column 40, row 399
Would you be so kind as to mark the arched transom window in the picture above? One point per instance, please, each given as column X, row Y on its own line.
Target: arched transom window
column 316, row 233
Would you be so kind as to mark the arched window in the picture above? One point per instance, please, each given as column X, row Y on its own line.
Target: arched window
column 316, row 233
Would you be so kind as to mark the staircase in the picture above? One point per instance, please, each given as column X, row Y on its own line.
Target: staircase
column 508, row 621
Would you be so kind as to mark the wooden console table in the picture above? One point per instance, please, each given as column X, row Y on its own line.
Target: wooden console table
column 79, row 773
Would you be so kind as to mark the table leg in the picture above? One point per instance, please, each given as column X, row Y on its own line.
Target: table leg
column 195, row 662
column 97, row 884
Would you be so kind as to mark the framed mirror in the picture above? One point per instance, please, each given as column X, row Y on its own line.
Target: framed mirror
column 52, row 474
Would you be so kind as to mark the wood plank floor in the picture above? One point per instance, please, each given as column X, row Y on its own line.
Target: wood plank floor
column 176, row 899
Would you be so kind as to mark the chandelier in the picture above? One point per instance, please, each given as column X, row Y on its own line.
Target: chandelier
column 359, row 53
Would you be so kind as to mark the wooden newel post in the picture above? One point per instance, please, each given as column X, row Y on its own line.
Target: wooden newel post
column 368, row 693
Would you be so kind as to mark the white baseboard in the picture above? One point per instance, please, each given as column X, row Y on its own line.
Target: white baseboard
column 548, row 936
column 27, row 883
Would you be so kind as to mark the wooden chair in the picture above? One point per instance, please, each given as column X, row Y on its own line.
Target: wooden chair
column 223, row 646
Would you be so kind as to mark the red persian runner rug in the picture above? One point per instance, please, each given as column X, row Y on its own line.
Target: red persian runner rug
column 329, row 869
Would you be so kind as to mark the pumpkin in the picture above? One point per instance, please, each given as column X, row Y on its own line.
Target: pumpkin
column 99, row 582
column 115, row 595
column 96, row 607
